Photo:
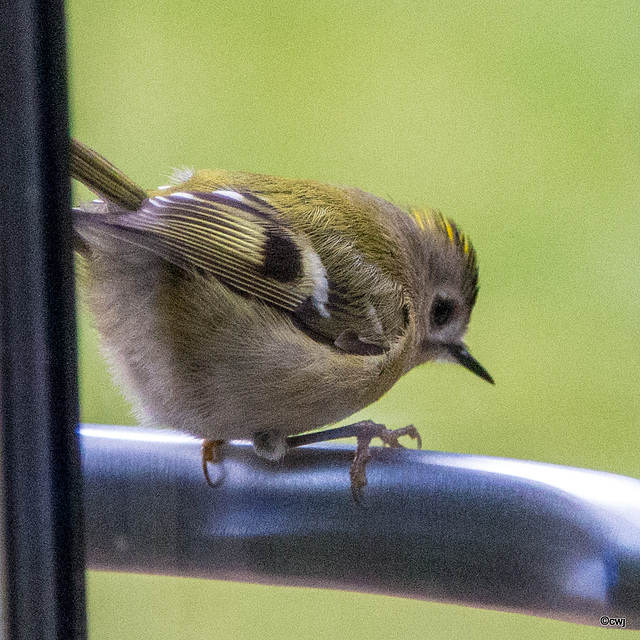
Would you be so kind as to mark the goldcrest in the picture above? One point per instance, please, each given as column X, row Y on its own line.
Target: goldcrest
column 238, row 305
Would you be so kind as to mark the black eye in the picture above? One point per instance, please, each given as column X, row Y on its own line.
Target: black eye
column 442, row 312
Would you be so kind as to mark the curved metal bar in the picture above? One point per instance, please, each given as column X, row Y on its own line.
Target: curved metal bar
column 513, row 535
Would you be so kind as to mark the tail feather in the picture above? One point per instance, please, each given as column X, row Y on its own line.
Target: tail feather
column 104, row 178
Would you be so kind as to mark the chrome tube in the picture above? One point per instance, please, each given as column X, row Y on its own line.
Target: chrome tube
column 513, row 535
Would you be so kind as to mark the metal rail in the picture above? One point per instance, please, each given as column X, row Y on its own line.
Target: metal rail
column 486, row 532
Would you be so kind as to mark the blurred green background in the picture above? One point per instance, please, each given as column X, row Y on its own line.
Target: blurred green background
column 519, row 120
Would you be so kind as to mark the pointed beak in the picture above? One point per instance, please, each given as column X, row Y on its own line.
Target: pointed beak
column 461, row 355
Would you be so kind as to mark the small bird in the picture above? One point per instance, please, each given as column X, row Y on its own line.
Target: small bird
column 238, row 305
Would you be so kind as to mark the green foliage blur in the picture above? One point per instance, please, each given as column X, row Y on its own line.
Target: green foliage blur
column 519, row 120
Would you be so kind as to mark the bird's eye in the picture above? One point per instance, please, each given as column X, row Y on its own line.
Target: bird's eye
column 442, row 312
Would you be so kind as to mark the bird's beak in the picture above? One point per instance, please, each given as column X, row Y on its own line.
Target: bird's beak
column 461, row 355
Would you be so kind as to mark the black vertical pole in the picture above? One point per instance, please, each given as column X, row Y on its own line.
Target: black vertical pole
column 42, row 551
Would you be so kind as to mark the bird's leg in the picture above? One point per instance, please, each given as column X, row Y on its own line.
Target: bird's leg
column 364, row 432
column 211, row 452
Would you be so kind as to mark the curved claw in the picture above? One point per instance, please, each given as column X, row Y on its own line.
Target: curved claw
column 211, row 452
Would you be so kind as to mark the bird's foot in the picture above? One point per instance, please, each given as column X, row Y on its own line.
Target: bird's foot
column 364, row 432
column 368, row 431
